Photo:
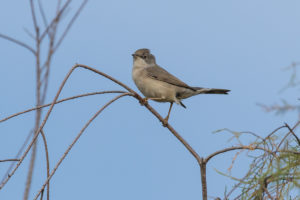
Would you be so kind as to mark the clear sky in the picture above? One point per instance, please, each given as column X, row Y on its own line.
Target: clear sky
column 126, row 153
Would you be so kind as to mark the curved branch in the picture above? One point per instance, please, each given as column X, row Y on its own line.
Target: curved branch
column 154, row 112
column 60, row 101
column 110, row 78
column 132, row 93
column 76, row 139
column 36, row 134
column 235, row 148
column 51, row 108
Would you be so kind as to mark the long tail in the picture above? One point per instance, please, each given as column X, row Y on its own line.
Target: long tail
column 210, row 90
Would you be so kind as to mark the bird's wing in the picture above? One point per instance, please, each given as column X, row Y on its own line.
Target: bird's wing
column 158, row 73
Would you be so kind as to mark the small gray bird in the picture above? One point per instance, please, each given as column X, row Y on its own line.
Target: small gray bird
column 159, row 85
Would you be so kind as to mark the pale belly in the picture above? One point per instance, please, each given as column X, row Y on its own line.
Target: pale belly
column 153, row 88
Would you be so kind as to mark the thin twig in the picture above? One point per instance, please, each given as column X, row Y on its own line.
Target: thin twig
column 293, row 133
column 70, row 24
column 76, row 139
column 29, row 33
column 33, row 15
column 133, row 93
column 38, row 131
column 17, row 42
column 154, row 112
column 58, row 15
column 50, row 110
column 42, row 13
column 283, row 139
column 8, row 160
column 17, row 155
column 60, row 101
column 236, row 148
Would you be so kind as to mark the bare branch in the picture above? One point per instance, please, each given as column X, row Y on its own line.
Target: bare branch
column 76, row 139
column 17, row 42
column 47, row 163
column 283, row 139
column 236, row 148
column 58, row 15
column 39, row 129
column 293, row 133
column 60, row 101
column 18, row 155
column 8, row 160
column 42, row 13
column 36, row 27
column 29, row 33
column 70, row 25
column 49, row 112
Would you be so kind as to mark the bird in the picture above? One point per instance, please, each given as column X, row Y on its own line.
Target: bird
column 157, row 84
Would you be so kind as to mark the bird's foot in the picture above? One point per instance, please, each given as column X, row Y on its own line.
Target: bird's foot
column 165, row 121
column 144, row 101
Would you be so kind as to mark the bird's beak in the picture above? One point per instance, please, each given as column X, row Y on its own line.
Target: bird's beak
column 134, row 55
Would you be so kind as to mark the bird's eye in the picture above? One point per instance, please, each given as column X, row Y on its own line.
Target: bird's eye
column 144, row 56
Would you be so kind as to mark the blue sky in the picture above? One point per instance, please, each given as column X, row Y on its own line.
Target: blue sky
column 126, row 153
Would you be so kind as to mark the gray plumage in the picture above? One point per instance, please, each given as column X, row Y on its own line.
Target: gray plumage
column 159, row 85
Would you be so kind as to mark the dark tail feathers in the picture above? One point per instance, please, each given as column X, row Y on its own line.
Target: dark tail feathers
column 211, row 90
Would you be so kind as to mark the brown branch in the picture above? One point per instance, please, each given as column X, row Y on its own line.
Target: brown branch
column 133, row 93
column 76, row 139
column 110, row 78
column 33, row 16
column 30, row 171
column 39, row 129
column 235, row 148
column 29, row 33
column 17, row 42
column 18, row 154
column 8, row 160
column 293, row 133
column 70, row 25
column 265, row 187
column 154, row 112
column 42, row 13
column 203, row 179
column 38, row 101
column 47, row 163
column 60, row 101
column 50, row 110
column 283, row 139
column 58, row 15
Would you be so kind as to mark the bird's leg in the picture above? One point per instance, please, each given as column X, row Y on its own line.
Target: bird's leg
column 167, row 117
column 145, row 100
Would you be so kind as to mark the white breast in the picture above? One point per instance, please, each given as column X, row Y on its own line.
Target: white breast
column 152, row 88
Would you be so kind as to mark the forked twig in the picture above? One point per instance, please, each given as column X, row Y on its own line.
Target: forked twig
column 60, row 101
column 293, row 133
column 18, row 42
column 70, row 25
column 75, row 140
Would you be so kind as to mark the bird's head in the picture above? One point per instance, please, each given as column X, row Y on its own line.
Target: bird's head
column 143, row 57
